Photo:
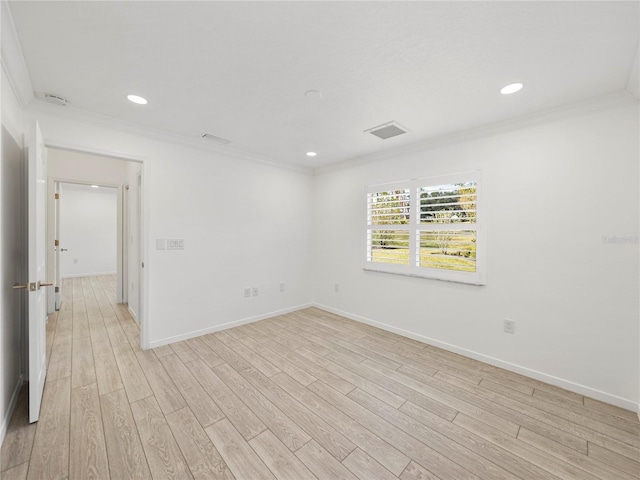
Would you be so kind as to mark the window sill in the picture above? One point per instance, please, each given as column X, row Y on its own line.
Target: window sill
column 468, row 278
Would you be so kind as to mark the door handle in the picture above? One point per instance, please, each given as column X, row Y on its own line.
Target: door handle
column 64, row 249
column 32, row 286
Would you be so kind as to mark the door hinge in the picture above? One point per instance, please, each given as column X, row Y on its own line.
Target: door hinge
column 57, row 289
column 56, row 243
column 56, row 196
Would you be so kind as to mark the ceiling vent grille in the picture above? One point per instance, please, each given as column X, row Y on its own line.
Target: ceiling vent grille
column 213, row 138
column 387, row 130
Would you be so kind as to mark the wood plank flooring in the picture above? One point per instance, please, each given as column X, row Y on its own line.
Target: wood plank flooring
column 301, row 396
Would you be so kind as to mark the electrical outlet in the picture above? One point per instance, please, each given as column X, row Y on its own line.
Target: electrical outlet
column 282, row 287
column 509, row 326
column 255, row 291
column 336, row 288
column 247, row 292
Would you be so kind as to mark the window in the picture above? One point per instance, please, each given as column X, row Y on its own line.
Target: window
column 427, row 227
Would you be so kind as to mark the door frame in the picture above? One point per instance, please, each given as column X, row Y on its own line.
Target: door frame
column 125, row 244
column 139, row 243
column 53, row 183
column 57, row 290
column 143, row 225
column 52, row 220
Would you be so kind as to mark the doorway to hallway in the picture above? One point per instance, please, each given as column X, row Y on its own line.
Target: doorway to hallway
column 94, row 217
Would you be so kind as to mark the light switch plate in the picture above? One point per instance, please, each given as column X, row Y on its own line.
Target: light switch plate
column 175, row 244
column 160, row 244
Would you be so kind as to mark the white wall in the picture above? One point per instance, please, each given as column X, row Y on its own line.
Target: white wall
column 88, row 230
column 12, row 251
column 554, row 191
column 245, row 224
column 83, row 167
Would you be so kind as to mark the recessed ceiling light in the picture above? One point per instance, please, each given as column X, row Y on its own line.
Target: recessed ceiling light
column 55, row 99
column 95, row 186
column 311, row 154
column 137, row 99
column 313, row 94
column 511, row 88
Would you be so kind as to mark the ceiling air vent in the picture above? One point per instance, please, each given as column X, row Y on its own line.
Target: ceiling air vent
column 55, row 99
column 387, row 130
column 213, row 138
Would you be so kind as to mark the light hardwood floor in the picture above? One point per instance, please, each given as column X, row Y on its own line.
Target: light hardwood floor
column 301, row 396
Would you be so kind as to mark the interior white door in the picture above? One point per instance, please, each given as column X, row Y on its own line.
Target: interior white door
column 59, row 249
column 37, row 188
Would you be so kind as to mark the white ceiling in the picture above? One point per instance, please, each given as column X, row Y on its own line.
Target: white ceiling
column 240, row 70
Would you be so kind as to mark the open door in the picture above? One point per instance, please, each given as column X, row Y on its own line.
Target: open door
column 37, row 270
column 37, row 188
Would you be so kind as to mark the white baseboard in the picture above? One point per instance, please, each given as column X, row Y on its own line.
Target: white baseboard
column 543, row 377
column 10, row 408
column 224, row 326
column 98, row 274
column 132, row 313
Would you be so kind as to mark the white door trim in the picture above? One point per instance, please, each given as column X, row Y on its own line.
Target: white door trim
column 119, row 250
column 51, row 236
column 125, row 243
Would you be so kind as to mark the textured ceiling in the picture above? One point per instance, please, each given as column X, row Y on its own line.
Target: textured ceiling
column 240, row 70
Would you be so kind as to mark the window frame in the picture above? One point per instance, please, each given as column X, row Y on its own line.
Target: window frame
column 413, row 269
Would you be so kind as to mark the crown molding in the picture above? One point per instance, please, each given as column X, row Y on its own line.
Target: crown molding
column 17, row 73
column 583, row 107
column 39, row 107
column 13, row 59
